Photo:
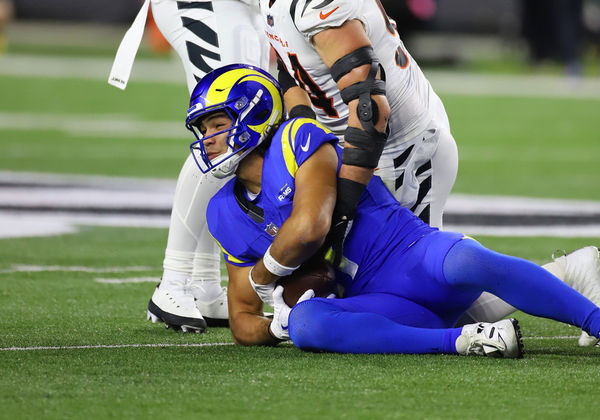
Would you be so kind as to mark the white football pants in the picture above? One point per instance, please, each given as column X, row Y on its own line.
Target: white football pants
column 206, row 35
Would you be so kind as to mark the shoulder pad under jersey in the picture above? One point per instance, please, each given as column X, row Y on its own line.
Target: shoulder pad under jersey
column 314, row 16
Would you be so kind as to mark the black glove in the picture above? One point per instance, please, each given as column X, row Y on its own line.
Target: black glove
column 348, row 195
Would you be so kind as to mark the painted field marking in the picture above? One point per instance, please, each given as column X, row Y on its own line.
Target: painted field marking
column 22, row 268
column 127, row 280
column 556, row 337
column 120, row 346
column 113, row 346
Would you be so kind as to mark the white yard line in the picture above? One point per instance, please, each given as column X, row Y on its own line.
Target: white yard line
column 127, row 280
column 564, row 231
column 121, row 346
column 89, row 68
column 113, row 346
column 171, row 71
column 19, row 268
column 556, row 337
column 98, row 125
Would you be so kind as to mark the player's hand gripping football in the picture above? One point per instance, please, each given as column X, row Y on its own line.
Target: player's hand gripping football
column 281, row 313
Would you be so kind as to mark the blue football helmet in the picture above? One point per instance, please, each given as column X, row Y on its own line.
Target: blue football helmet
column 251, row 97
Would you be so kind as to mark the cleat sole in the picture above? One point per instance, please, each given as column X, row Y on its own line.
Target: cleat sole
column 151, row 317
column 520, row 346
column 217, row 322
column 175, row 322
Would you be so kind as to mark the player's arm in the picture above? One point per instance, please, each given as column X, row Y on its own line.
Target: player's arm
column 348, row 53
column 295, row 98
column 305, row 230
column 248, row 325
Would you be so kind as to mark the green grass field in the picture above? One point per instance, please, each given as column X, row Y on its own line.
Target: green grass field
column 507, row 145
column 58, row 308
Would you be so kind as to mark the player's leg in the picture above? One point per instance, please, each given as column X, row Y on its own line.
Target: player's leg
column 188, row 231
column 191, row 281
column 402, row 304
column 444, row 166
column 579, row 269
column 210, row 34
column 420, row 172
column 359, row 325
column 470, row 266
column 205, row 35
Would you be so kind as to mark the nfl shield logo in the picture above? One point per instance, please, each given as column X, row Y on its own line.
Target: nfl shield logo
column 272, row 229
column 270, row 20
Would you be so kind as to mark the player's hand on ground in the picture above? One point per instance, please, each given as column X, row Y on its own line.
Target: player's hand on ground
column 281, row 312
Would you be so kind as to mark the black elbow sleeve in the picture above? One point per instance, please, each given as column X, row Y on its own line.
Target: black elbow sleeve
column 283, row 77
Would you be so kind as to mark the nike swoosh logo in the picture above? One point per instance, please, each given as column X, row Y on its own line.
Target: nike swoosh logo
column 326, row 15
column 304, row 146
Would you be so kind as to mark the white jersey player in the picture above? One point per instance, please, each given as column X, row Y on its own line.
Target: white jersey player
column 419, row 160
column 418, row 163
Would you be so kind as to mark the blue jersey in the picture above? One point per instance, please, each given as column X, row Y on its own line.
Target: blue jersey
column 245, row 228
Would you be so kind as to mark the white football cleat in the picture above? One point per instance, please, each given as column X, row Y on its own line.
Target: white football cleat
column 173, row 304
column 497, row 339
column 586, row 340
column 582, row 273
column 215, row 311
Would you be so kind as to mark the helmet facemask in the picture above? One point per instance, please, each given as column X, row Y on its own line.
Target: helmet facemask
column 247, row 113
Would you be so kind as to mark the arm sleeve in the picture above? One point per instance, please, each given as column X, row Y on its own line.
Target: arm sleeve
column 283, row 77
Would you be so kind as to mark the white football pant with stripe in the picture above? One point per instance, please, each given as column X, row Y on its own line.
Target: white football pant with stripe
column 206, row 35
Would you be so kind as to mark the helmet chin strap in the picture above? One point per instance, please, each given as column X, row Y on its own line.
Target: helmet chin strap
column 226, row 169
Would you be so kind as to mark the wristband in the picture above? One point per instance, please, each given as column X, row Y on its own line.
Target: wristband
column 264, row 291
column 303, row 111
column 274, row 267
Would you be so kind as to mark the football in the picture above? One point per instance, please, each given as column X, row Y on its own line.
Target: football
column 318, row 276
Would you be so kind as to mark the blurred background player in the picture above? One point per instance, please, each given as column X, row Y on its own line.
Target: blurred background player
column 6, row 14
column 554, row 32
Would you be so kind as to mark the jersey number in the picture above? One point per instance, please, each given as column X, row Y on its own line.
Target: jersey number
column 318, row 98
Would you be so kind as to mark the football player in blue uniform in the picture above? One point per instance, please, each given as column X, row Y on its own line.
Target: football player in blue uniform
column 328, row 53
column 405, row 283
